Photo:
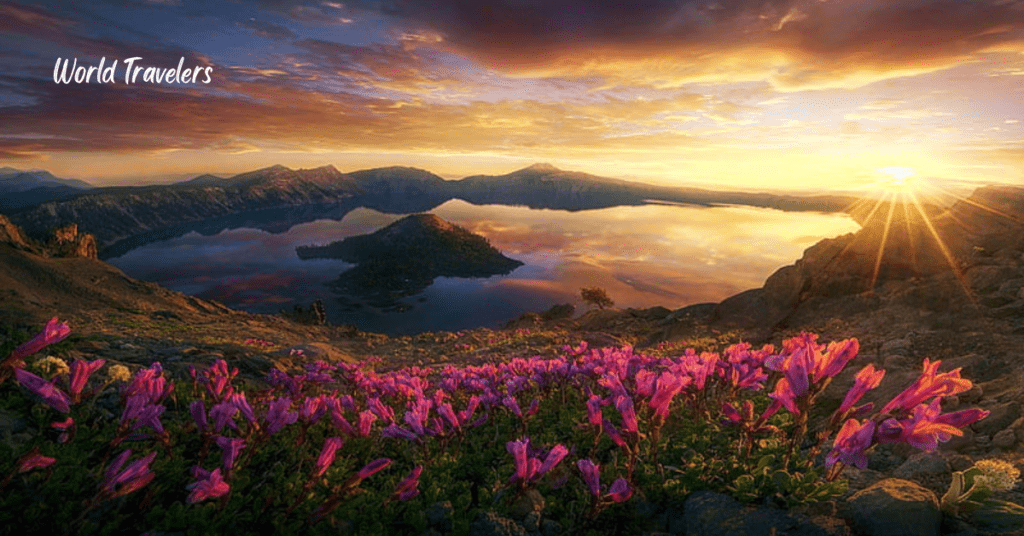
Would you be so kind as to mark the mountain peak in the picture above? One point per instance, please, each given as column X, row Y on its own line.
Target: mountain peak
column 542, row 167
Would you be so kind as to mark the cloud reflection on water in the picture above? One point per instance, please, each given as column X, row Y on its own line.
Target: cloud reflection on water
column 643, row 256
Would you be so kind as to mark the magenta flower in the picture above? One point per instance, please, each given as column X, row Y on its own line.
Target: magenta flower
column 366, row 419
column 134, row 477
column 732, row 415
column 591, row 475
column 223, row 414
column 209, row 486
column 54, row 332
column 231, row 448
column 49, row 393
column 467, row 414
column 238, row 400
column 511, row 403
column 278, row 415
column 372, row 468
column 928, row 385
column 556, row 455
column 66, row 429
column 865, row 380
column 620, row 491
column 141, row 412
column 594, row 411
column 965, row 417
column 836, row 356
column 625, row 406
column 409, row 487
column 34, row 460
column 853, row 439
column 668, row 387
column 645, row 379
column 784, row 395
column 198, row 411
column 925, row 427
column 613, row 433
column 517, row 449
column 446, row 411
column 327, row 455
column 395, row 431
column 80, row 372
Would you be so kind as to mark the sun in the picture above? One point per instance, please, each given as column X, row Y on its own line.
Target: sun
column 899, row 180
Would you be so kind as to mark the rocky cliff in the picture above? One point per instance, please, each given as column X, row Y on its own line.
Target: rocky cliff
column 970, row 256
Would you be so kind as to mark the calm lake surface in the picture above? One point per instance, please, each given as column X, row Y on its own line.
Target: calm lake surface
column 668, row 255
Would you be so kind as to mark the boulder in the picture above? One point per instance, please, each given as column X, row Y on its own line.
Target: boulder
column 1000, row 417
column 709, row 513
column 894, row 507
column 491, row 524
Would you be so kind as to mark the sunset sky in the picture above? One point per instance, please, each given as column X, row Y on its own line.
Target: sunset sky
column 803, row 95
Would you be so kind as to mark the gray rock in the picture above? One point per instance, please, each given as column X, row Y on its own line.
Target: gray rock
column 1000, row 417
column 530, row 502
column 550, row 527
column 897, row 346
column 1004, row 439
column 491, row 524
column 985, row 279
column 894, row 507
column 709, row 513
column 439, row 516
column 532, row 522
column 922, row 464
column 11, row 422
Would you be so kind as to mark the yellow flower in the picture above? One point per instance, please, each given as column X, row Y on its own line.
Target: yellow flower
column 51, row 366
column 118, row 373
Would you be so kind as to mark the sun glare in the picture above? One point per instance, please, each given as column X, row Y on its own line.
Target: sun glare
column 900, row 178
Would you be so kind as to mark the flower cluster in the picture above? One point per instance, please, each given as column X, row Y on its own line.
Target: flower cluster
column 627, row 408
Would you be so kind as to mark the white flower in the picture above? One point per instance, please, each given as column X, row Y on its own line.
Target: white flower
column 996, row 475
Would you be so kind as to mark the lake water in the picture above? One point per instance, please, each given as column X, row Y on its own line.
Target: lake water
column 643, row 256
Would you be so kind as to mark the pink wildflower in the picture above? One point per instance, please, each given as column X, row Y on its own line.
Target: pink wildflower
column 80, row 372
column 373, row 468
column 327, row 455
column 54, row 332
column 209, row 486
column 34, row 460
column 49, row 393
column 865, row 380
column 852, row 440
column 620, row 491
column 134, row 477
column 408, row 488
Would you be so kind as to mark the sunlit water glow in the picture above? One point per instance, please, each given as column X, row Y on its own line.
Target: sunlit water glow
column 644, row 256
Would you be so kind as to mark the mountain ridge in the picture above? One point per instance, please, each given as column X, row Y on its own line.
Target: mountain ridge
column 114, row 214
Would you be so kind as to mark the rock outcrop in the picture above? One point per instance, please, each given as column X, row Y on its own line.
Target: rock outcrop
column 11, row 234
column 68, row 242
column 970, row 255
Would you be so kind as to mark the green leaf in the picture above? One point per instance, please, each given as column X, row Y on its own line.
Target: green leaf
column 995, row 513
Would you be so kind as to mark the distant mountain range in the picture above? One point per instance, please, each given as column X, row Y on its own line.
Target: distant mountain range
column 21, row 188
column 276, row 198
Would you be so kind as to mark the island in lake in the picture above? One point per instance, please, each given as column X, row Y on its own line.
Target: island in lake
column 404, row 258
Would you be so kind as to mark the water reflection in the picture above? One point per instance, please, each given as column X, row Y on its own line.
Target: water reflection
column 642, row 255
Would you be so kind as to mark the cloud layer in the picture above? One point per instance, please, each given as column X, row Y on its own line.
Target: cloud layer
column 812, row 90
